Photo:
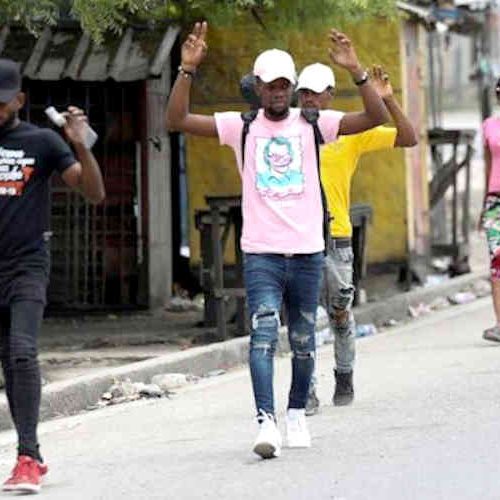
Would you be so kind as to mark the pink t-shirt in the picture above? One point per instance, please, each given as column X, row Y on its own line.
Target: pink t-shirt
column 281, row 201
column 491, row 135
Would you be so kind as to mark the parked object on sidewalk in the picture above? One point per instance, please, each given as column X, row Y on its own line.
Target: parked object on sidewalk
column 366, row 330
column 462, row 298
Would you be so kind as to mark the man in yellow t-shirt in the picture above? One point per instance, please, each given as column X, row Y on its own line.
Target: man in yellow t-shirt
column 338, row 164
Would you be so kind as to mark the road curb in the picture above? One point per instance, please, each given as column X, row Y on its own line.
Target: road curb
column 72, row 396
column 396, row 307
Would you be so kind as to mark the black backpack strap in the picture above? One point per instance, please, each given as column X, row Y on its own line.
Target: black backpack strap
column 248, row 117
column 311, row 116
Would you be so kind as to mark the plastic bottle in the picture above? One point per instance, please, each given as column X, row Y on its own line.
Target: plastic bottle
column 366, row 330
column 59, row 120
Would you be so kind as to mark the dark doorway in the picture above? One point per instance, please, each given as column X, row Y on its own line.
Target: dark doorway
column 97, row 251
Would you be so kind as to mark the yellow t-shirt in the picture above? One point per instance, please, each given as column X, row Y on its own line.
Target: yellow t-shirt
column 338, row 164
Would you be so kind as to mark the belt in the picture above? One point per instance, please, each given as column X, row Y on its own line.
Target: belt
column 292, row 255
column 339, row 243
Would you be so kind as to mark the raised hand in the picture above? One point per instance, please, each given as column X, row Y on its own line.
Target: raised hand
column 342, row 52
column 194, row 48
column 381, row 82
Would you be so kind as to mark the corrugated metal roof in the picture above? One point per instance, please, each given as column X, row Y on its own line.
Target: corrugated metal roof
column 411, row 8
column 458, row 20
column 69, row 53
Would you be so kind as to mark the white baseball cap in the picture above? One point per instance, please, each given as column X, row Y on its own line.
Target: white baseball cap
column 273, row 64
column 316, row 77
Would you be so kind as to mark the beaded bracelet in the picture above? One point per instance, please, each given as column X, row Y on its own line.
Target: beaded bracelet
column 185, row 73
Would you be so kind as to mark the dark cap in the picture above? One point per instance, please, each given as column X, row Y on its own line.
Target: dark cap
column 10, row 80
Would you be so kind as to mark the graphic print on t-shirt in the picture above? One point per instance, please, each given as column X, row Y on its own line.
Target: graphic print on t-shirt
column 15, row 171
column 279, row 167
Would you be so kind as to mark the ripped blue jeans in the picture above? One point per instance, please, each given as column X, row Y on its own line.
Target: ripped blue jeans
column 337, row 296
column 273, row 280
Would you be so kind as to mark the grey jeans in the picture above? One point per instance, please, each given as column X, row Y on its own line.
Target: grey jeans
column 337, row 295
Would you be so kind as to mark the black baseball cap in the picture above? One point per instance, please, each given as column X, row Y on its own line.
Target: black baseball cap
column 10, row 80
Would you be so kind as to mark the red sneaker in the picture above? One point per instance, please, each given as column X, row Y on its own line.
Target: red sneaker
column 26, row 476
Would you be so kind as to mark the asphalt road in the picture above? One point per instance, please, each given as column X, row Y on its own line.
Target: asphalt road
column 425, row 425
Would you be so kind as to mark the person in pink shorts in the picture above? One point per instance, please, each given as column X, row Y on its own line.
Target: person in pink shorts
column 490, row 215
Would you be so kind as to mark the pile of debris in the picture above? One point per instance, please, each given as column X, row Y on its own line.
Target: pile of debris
column 125, row 391
column 475, row 291
column 160, row 386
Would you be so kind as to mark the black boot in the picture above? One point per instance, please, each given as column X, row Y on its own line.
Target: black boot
column 312, row 405
column 344, row 390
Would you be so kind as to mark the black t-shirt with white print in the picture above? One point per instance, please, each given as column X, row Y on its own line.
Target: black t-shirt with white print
column 29, row 155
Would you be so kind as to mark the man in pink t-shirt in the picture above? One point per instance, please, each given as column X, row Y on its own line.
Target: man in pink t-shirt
column 282, row 213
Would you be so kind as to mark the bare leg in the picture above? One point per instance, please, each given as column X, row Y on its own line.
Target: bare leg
column 495, row 291
column 493, row 333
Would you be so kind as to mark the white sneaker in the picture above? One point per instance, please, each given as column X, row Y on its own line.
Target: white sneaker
column 296, row 429
column 268, row 442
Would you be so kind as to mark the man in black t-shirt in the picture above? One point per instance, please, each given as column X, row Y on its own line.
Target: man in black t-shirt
column 28, row 157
